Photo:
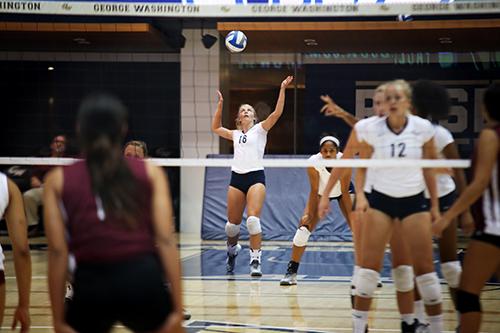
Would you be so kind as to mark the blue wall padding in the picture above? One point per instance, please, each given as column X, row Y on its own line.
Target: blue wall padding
column 287, row 192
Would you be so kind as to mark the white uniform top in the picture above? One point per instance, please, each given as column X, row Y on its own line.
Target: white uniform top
column 369, row 172
column 445, row 183
column 324, row 175
column 4, row 194
column 396, row 182
column 249, row 149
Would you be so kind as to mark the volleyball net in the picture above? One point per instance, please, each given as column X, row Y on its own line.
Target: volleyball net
column 202, row 195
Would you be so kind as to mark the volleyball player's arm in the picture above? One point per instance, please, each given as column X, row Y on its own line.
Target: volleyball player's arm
column 486, row 157
column 350, row 150
column 466, row 221
column 365, row 152
column 429, row 152
column 164, row 232
column 312, row 202
column 217, row 127
column 17, row 228
column 271, row 120
column 345, row 198
column 333, row 109
column 57, row 246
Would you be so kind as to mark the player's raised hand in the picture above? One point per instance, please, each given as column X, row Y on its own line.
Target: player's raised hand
column 219, row 96
column 286, row 82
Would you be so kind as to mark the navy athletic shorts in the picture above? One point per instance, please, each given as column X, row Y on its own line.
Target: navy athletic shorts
column 399, row 208
column 244, row 181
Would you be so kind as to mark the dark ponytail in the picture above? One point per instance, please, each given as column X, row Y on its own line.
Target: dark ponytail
column 102, row 125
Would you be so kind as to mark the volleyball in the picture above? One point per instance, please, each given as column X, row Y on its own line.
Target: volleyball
column 236, row 41
column 405, row 18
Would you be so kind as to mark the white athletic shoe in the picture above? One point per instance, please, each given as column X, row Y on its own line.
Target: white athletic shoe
column 69, row 292
column 290, row 279
column 255, row 270
column 423, row 328
column 231, row 258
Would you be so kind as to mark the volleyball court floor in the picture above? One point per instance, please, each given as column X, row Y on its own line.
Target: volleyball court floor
column 238, row 303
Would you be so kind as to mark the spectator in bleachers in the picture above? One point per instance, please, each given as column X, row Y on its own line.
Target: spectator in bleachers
column 33, row 197
column 136, row 148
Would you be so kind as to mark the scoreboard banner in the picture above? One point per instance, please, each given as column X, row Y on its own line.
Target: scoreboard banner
column 250, row 8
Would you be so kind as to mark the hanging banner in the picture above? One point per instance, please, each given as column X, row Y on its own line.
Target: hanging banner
column 251, row 8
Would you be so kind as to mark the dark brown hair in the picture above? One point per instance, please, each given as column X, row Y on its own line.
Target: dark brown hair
column 102, row 123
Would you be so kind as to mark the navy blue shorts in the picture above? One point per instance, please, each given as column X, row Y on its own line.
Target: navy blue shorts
column 398, row 208
column 244, row 181
column 445, row 202
column 486, row 238
column 351, row 188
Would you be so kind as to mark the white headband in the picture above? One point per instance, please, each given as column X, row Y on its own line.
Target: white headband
column 329, row 138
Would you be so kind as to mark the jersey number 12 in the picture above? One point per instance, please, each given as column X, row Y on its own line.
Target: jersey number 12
column 395, row 147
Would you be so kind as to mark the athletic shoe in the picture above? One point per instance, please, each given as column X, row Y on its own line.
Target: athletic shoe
column 255, row 269
column 231, row 259
column 290, row 279
column 380, row 284
column 405, row 328
column 69, row 292
column 422, row 328
column 185, row 314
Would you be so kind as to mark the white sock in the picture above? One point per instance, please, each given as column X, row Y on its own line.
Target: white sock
column 436, row 323
column 408, row 318
column 255, row 255
column 419, row 311
column 359, row 321
column 232, row 249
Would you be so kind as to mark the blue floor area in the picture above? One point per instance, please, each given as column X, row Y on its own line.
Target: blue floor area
column 317, row 263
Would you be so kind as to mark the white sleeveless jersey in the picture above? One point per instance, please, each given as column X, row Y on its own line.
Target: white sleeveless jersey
column 445, row 183
column 4, row 194
column 324, row 175
column 396, row 182
column 249, row 149
column 369, row 172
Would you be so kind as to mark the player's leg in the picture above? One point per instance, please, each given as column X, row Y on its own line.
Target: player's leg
column 481, row 262
column 376, row 234
column 416, row 229
column 235, row 206
column 403, row 277
column 255, row 201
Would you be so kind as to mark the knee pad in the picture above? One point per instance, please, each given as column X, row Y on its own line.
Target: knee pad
column 366, row 283
column 232, row 230
column 429, row 288
column 403, row 278
column 467, row 302
column 253, row 225
column 2, row 277
column 301, row 237
column 451, row 272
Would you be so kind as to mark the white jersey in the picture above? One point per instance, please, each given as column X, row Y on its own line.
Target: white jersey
column 445, row 183
column 249, row 149
column 369, row 172
column 324, row 175
column 396, row 182
column 4, row 194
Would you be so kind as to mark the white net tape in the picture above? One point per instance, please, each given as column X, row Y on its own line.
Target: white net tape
column 268, row 163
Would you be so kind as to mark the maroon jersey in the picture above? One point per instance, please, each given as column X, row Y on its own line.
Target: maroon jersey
column 95, row 236
column 487, row 208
